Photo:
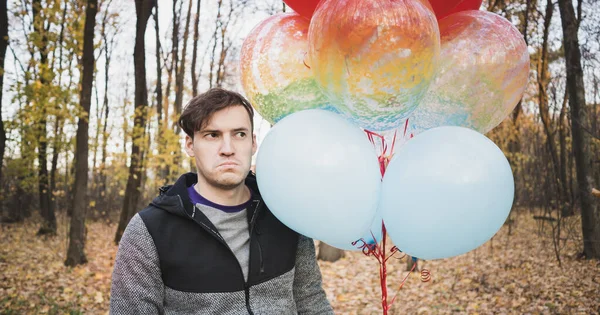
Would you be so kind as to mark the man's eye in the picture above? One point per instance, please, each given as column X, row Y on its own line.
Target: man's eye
column 241, row 134
column 211, row 135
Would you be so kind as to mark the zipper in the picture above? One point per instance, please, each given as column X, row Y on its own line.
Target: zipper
column 260, row 258
column 220, row 238
column 252, row 227
column 247, row 287
column 247, row 295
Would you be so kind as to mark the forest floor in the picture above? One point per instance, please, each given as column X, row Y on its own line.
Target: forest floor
column 516, row 273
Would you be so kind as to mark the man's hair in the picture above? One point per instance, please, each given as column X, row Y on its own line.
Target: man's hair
column 200, row 109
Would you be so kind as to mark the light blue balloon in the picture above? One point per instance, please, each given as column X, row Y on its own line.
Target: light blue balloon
column 319, row 175
column 375, row 230
column 446, row 192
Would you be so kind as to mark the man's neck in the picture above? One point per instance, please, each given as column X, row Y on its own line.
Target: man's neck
column 229, row 197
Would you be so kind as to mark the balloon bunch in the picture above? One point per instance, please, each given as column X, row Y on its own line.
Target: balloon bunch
column 338, row 66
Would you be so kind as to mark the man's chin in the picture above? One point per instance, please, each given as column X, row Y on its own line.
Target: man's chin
column 229, row 181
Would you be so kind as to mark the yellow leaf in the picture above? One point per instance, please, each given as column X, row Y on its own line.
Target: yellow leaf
column 98, row 298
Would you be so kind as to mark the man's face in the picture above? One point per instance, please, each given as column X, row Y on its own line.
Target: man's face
column 223, row 149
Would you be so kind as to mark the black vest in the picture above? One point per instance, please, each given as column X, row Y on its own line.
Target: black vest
column 195, row 258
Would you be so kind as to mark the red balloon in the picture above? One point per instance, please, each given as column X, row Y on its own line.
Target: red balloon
column 464, row 6
column 443, row 8
column 306, row 8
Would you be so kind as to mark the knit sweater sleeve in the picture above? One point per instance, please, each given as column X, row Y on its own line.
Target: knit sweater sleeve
column 137, row 286
column 309, row 295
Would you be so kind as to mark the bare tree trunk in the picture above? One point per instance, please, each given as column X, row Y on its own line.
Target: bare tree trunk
column 56, row 148
column 329, row 253
column 519, row 108
column 3, row 45
column 77, row 232
column 126, row 134
column 221, row 67
column 181, row 72
column 48, row 225
column 59, row 122
column 562, row 132
column 103, row 116
column 66, row 147
column 159, row 97
column 162, row 169
column 174, row 69
column 595, row 130
column 543, row 80
column 102, row 177
column 98, row 125
column 195, row 50
column 143, row 9
column 514, row 144
column 214, row 48
column 590, row 210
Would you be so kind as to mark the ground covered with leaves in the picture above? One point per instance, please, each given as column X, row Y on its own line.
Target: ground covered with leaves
column 514, row 273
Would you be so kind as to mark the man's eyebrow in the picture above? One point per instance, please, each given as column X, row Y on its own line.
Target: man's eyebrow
column 209, row 131
column 219, row 131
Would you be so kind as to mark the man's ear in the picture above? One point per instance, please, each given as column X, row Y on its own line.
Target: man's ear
column 254, row 145
column 189, row 145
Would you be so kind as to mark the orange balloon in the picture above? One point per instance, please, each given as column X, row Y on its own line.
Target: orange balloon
column 374, row 58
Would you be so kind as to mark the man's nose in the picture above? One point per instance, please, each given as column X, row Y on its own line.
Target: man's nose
column 226, row 146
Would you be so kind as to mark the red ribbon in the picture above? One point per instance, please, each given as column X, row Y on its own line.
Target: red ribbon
column 378, row 250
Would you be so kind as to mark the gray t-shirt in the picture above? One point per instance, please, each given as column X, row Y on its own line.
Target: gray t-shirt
column 232, row 224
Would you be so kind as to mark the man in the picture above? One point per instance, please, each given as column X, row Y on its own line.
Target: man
column 208, row 244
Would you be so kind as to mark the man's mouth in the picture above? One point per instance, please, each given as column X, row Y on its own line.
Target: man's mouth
column 228, row 164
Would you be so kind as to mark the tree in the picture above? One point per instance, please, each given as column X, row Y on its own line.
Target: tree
column 590, row 210
column 143, row 9
column 59, row 119
column 195, row 51
column 47, row 211
column 44, row 79
column 3, row 45
column 174, row 66
column 108, row 50
column 543, row 79
column 329, row 253
column 181, row 71
column 75, row 253
column 159, row 97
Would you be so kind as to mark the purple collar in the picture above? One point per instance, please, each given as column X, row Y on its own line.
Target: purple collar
column 196, row 198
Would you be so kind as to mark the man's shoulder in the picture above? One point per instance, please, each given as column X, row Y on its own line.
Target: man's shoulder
column 151, row 212
column 154, row 217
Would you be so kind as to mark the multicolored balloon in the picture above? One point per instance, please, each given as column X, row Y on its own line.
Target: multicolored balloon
column 273, row 73
column 483, row 71
column 374, row 59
